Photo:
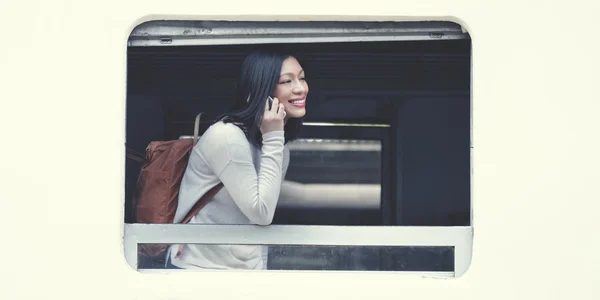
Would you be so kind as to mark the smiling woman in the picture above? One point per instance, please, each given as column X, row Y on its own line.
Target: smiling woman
column 265, row 73
column 292, row 88
column 246, row 151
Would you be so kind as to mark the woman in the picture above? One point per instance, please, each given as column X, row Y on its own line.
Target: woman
column 246, row 151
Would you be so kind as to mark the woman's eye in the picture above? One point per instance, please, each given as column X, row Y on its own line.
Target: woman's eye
column 287, row 81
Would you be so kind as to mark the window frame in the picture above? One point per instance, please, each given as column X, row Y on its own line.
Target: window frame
column 177, row 33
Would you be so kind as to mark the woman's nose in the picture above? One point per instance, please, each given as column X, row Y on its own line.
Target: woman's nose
column 298, row 88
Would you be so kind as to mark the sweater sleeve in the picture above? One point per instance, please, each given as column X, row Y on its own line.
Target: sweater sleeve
column 286, row 162
column 256, row 194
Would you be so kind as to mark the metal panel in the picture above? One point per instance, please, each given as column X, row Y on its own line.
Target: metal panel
column 187, row 33
column 459, row 237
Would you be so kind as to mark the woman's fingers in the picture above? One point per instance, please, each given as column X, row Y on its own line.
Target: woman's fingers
column 277, row 108
column 275, row 105
column 281, row 110
column 273, row 117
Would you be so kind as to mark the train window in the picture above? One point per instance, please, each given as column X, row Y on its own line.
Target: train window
column 380, row 175
column 332, row 182
column 362, row 258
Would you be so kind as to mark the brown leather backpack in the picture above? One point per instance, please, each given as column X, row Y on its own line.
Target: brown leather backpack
column 156, row 196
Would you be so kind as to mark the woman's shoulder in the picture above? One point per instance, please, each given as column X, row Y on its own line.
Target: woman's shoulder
column 221, row 132
column 222, row 143
column 221, row 127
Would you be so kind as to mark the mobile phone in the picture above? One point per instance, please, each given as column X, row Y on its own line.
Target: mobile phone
column 270, row 102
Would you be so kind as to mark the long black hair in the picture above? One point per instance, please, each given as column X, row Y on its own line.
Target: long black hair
column 258, row 79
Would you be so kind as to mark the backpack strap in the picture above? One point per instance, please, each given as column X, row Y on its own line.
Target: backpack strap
column 202, row 202
column 211, row 193
column 196, row 208
column 197, row 127
column 132, row 154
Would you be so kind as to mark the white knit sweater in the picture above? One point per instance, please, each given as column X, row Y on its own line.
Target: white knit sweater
column 252, row 181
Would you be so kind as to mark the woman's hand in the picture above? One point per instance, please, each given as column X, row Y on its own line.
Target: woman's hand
column 273, row 118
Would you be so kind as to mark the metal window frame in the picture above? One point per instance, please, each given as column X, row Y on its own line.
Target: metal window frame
column 459, row 237
column 186, row 33
column 181, row 33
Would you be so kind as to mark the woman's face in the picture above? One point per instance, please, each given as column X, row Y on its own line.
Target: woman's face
column 292, row 89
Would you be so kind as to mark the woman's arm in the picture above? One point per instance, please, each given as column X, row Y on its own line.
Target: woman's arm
column 230, row 157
